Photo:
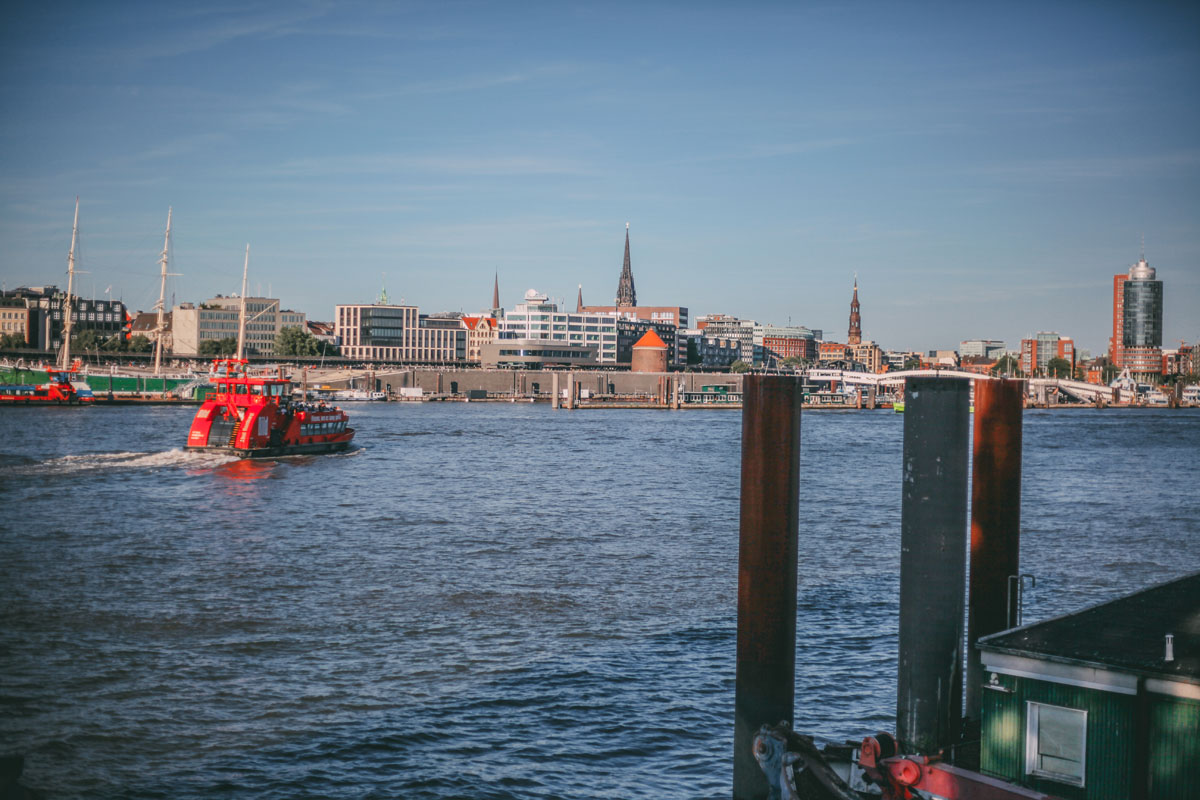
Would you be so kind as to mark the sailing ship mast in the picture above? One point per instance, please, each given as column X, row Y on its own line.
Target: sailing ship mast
column 65, row 361
column 242, row 314
column 160, row 329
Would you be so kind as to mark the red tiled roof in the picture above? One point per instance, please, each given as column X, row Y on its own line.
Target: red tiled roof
column 651, row 339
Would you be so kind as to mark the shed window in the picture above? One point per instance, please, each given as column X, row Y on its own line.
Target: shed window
column 1055, row 743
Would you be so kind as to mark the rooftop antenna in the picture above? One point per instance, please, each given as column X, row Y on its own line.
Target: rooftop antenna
column 160, row 327
column 1143, row 245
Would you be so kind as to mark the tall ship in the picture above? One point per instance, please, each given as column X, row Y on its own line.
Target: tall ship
column 254, row 416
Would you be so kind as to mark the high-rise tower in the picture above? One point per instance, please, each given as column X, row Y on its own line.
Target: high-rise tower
column 626, row 296
column 1136, row 342
column 855, row 335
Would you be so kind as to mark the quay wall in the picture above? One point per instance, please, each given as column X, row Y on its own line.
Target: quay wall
column 518, row 383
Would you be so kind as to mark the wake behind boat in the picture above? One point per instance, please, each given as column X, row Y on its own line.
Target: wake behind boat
column 254, row 416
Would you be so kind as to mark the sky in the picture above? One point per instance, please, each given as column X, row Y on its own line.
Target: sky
column 984, row 169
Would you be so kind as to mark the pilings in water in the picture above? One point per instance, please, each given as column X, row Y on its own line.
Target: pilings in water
column 995, row 521
column 767, row 554
column 933, row 541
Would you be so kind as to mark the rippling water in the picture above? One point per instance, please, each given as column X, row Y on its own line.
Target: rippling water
column 485, row 601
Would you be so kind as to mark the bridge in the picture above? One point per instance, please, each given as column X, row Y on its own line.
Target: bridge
column 1039, row 387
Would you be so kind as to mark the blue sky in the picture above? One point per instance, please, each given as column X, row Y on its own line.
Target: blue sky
column 985, row 170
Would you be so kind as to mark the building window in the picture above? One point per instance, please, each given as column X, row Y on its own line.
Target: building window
column 1055, row 743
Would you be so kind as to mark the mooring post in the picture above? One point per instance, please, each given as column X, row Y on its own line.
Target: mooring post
column 555, row 392
column 995, row 520
column 933, row 554
column 767, row 551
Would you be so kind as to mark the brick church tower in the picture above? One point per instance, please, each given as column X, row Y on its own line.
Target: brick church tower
column 855, row 336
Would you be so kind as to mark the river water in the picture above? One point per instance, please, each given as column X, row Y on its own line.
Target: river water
column 486, row 600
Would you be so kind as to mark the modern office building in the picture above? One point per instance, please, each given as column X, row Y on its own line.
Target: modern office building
column 218, row 318
column 390, row 333
column 1136, row 342
column 1037, row 351
column 538, row 318
column 703, row 350
column 725, row 327
column 981, row 348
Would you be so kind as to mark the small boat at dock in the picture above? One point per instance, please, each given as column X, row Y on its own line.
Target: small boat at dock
column 59, row 390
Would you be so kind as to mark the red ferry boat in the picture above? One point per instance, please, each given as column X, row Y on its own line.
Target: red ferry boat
column 255, row 417
column 57, row 391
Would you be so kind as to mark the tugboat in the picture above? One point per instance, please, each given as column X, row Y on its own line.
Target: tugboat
column 57, row 391
column 253, row 416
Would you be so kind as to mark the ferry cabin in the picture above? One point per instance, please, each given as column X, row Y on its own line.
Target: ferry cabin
column 1100, row 704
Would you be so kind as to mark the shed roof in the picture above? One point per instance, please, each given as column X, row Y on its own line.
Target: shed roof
column 1128, row 633
column 651, row 339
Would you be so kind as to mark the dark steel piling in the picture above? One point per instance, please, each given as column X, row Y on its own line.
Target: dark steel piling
column 933, row 551
column 767, row 554
column 995, row 521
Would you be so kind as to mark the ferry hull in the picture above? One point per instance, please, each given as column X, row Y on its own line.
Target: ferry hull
column 312, row 449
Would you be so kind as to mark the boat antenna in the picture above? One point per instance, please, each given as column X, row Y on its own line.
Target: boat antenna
column 160, row 328
column 242, row 312
column 65, row 362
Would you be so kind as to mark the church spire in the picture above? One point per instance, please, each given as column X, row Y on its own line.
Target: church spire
column 626, row 296
column 579, row 301
column 855, row 336
column 496, row 294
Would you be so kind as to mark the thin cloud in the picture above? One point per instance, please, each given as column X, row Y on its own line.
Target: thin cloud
column 1091, row 168
column 450, row 164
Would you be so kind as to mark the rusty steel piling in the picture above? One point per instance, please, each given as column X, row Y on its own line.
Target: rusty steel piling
column 767, row 554
column 933, row 552
column 995, row 521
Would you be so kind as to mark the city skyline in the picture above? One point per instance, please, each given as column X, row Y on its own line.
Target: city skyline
column 984, row 172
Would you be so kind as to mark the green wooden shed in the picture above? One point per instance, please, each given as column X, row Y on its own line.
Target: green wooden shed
column 1102, row 703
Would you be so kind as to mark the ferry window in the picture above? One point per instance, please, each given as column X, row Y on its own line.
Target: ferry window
column 239, row 389
column 256, row 390
column 1055, row 743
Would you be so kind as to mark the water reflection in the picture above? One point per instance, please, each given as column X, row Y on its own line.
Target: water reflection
column 246, row 469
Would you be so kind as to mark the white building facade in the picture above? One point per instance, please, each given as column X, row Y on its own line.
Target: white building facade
column 538, row 318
